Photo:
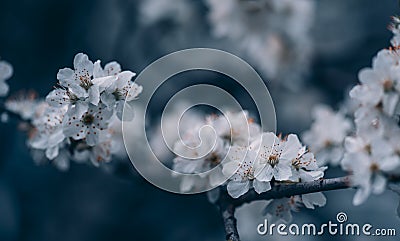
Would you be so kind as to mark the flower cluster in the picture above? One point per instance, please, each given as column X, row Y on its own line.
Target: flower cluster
column 245, row 156
column 282, row 51
column 77, row 120
column 280, row 210
column 372, row 154
column 326, row 135
column 6, row 72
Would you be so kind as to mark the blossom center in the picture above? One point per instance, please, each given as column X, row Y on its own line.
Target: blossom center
column 85, row 82
column 88, row 119
column 118, row 95
column 273, row 160
column 214, row 159
column 249, row 173
column 368, row 149
column 374, row 167
column 387, row 85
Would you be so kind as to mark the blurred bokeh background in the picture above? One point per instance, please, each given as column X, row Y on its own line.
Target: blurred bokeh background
column 307, row 52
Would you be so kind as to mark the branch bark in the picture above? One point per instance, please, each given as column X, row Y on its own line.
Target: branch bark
column 227, row 204
column 230, row 222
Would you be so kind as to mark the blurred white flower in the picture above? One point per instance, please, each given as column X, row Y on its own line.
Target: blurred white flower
column 200, row 150
column 6, row 72
column 326, row 135
column 153, row 11
column 395, row 28
column 280, row 210
column 369, row 161
column 380, row 84
column 275, row 34
column 237, row 128
column 48, row 133
column 174, row 122
column 310, row 200
column 23, row 104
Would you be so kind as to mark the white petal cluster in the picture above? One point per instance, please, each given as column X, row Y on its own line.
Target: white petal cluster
column 372, row 154
column 243, row 154
column 326, row 135
column 79, row 120
column 280, row 210
column 6, row 72
column 268, row 159
column 275, row 34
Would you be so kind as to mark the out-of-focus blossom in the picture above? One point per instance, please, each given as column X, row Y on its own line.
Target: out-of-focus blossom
column 370, row 162
column 155, row 10
column 275, row 34
column 326, row 135
column 280, row 210
column 372, row 154
column 23, row 104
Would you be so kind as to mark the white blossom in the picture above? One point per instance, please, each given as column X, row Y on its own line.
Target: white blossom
column 49, row 134
column 120, row 92
column 236, row 128
column 274, row 157
column 87, row 124
column 81, row 83
column 326, row 135
column 23, row 104
column 241, row 165
column 380, row 84
column 275, row 34
column 280, row 210
column 198, row 154
column 369, row 161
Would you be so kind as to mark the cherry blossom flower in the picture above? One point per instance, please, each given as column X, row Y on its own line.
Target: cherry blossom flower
column 87, row 124
column 304, row 166
column 369, row 161
column 326, row 135
column 199, row 155
column 120, row 92
column 79, row 83
column 241, row 165
column 49, row 131
column 282, row 51
column 274, row 157
column 379, row 83
column 280, row 210
column 23, row 104
column 236, row 128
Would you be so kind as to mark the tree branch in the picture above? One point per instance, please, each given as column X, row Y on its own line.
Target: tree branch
column 227, row 211
column 227, row 204
column 281, row 190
